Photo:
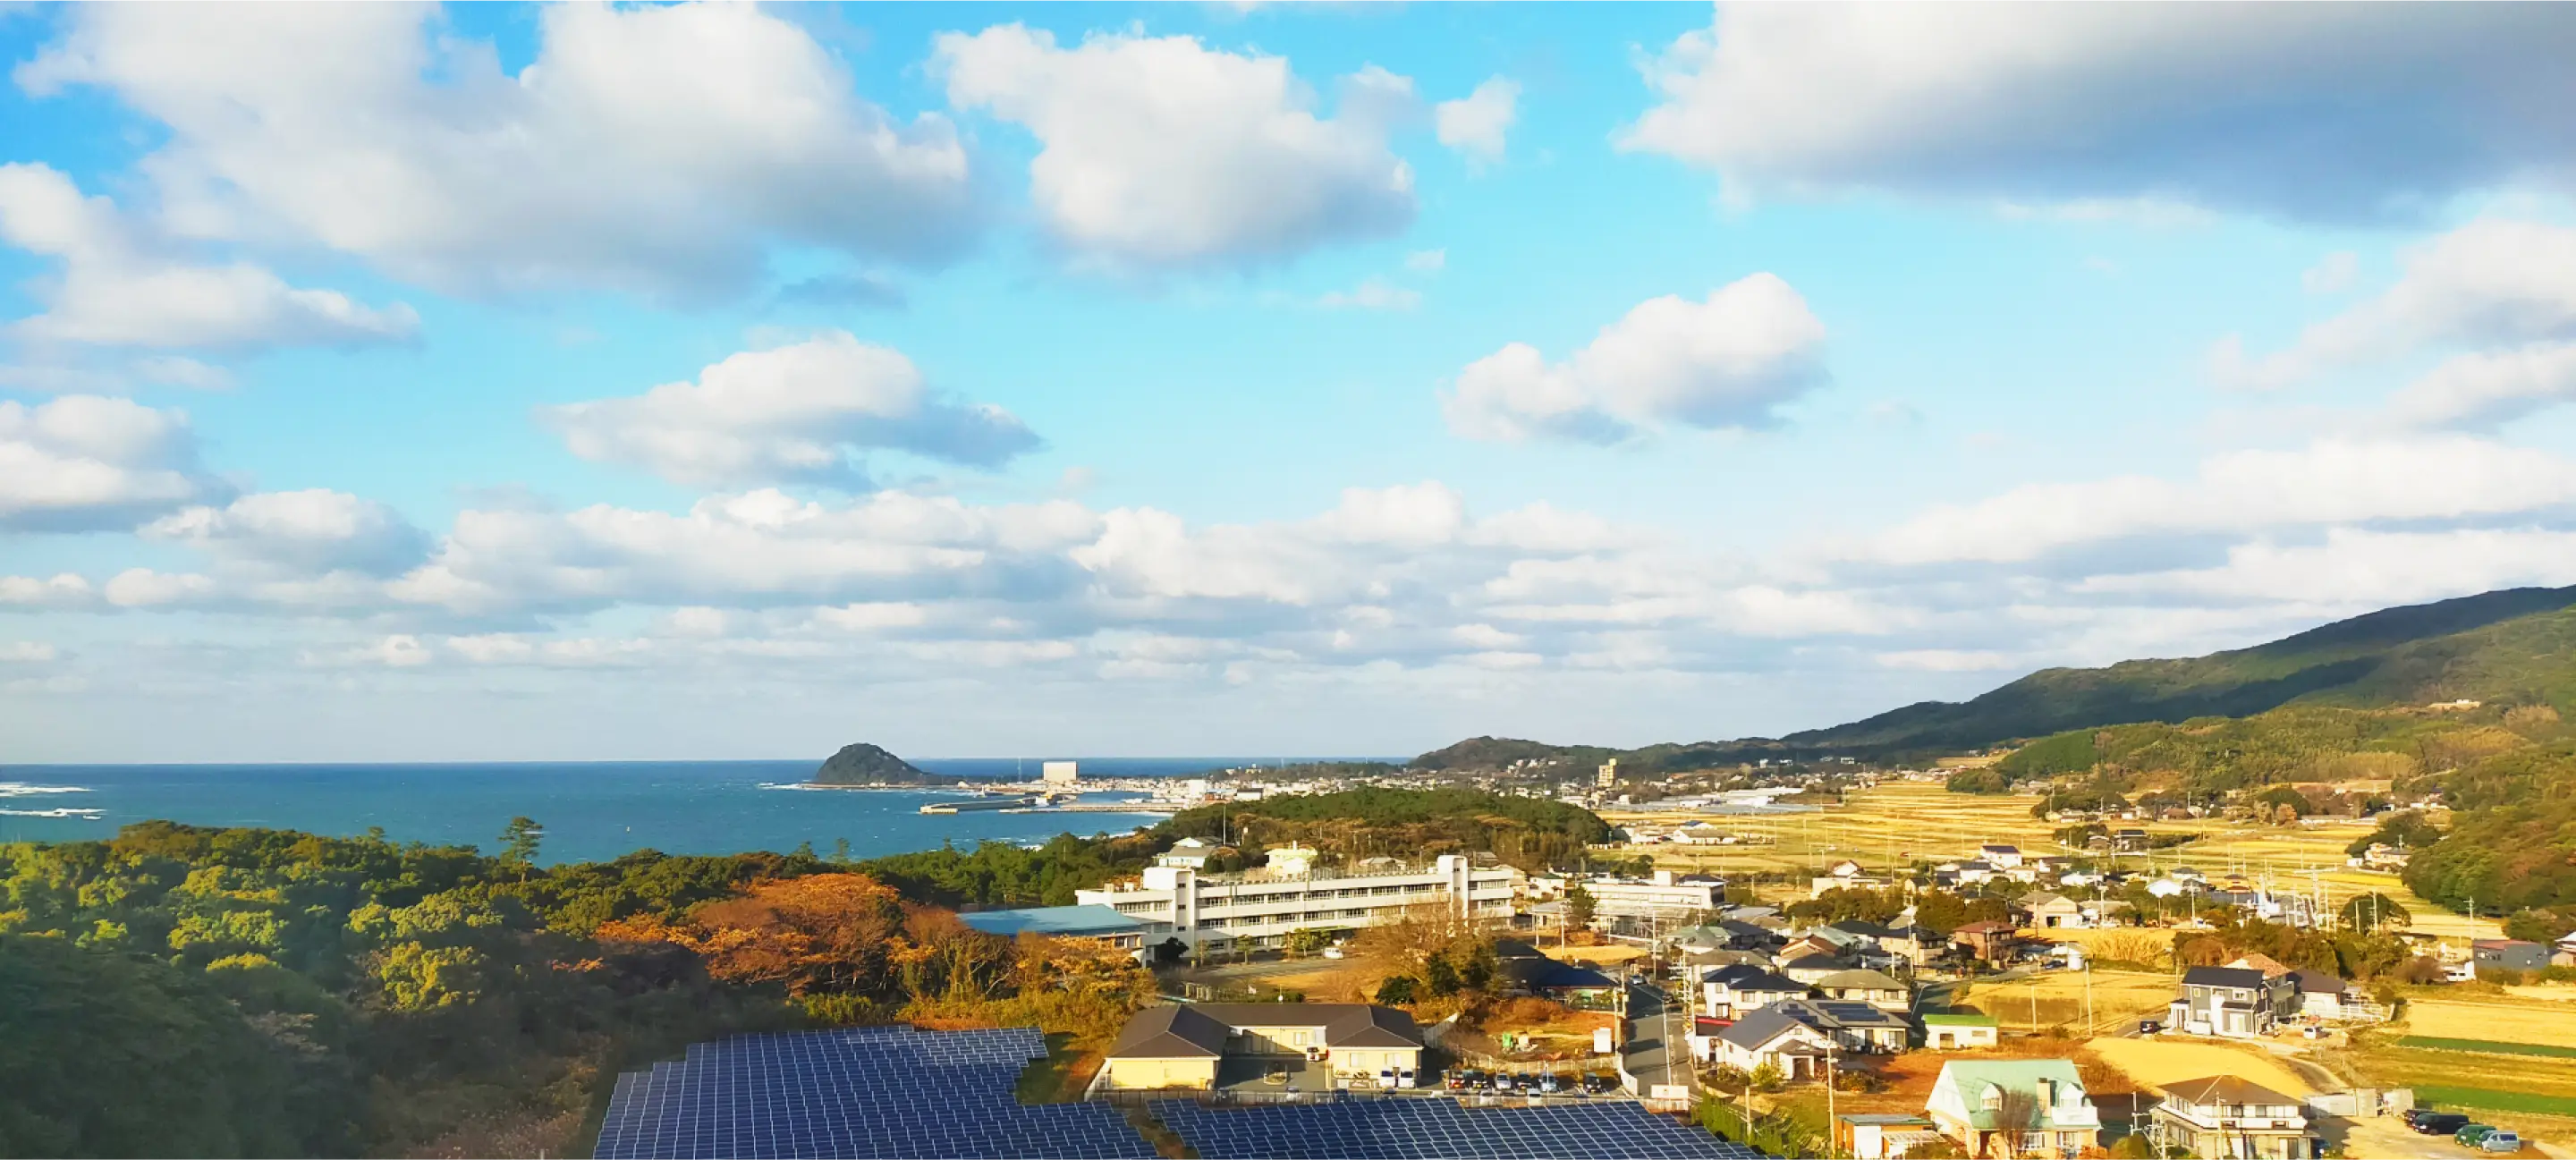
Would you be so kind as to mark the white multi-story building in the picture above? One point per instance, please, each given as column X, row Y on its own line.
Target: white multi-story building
column 1061, row 773
column 1663, row 897
column 1262, row 906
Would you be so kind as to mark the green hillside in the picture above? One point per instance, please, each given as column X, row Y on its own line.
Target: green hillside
column 2516, row 645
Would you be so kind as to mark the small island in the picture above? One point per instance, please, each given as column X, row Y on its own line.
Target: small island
column 862, row 764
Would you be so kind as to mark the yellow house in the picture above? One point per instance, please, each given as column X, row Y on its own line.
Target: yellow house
column 1182, row 1046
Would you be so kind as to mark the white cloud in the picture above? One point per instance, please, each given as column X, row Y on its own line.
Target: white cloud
column 1726, row 362
column 1427, row 261
column 1372, row 294
column 145, row 588
column 2333, row 274
column 1478, row 124
column 1943, row 660
column 85, row 463
column 2321, row 111
column 62, row 590
column 28, row 652
column 2362, row 568
column 1161, row 152
column 2332, row 481
column 2492, row 281
column 660, row 149
column 313, row 531
column 790, row 414
column 2481, row 390
column 117, row 287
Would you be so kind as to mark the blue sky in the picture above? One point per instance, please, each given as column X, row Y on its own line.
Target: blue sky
column 397, row 383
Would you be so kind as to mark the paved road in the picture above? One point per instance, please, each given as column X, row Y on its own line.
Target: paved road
column 1656, row 1051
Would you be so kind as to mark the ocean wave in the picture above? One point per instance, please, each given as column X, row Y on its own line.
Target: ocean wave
column 85, row 813
column 10, row 789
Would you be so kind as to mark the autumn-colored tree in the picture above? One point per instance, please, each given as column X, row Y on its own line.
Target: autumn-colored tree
column 821, row 932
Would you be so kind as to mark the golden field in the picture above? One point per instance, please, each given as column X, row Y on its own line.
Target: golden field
column 2058, row 999
column 2510, row 1020
column 1896, row 823
column 2157, row 1063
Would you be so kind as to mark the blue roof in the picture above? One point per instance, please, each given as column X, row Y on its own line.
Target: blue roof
column 1570, row 976
column 1058, row 920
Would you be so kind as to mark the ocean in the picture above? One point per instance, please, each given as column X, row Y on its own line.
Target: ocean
column 591, row 811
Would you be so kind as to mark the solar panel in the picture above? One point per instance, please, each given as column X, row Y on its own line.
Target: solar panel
column 895, row 1092
column 890, row 1092
column 1439, row 1129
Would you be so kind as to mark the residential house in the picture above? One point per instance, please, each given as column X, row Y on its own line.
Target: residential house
column 2325, row 995
column 2046, row 910
column 1771, row 1036
column 2130, row 840
column 1736, row 991
column 1876, row 988
column 1183, row 1045
column 1810, row 967
column 2014, row 1107
column 1796, row 1035
column 2234, row 1002
column 1814, row 942
column 2223, row 1116
column 1989, row 940
column 1844, row 875
column 1698, row 964
column 2565, row 955
column 1974, row 873
column 2001, row 857
column 1880, row 1135
column 2511, row 954
column 1958, row 1031
column 1190, row 852
column 1701, row 834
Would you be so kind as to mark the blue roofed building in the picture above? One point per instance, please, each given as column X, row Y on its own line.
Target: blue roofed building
column 1105, row 924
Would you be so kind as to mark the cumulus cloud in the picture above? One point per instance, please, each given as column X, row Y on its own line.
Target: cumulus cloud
column 791, row 414
column 1725, row 362
column 85, row 463
column 2330, row 482
column 2485, row 389
column 313, row 531
column 2333, row 274
column 1478, row 125
column 2493, row 281
column 62, row 590
column 2360, row 567
column 1372, row 294
column 659, row 149
column 118, row 287
column 1159, row 152
column 2335, row 112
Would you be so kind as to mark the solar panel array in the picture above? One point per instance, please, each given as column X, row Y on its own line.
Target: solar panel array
column 1439, row 1129
column 889, row 1092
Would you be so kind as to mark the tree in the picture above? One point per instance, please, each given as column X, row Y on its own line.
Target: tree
column 1305, row 940
column 1579, row 908
column 2366, row 912
column 1439, row 978
column 2016, row 1115
column 519, row 842
column 1396, row 991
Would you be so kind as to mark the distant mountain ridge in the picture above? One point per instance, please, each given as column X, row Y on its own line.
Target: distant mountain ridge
column 865, row 764
column 2516, row 645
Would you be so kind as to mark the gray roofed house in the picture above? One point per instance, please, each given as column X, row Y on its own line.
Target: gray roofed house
column 1732, row 992
column 1179, row 1046
column 1877, row 988
column 2236, row 1002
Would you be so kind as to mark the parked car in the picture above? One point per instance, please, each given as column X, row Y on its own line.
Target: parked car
column 1462, row 1080
column 1334, row 951
column 1548, row 1084
column 1498, row 1082
column 2473, row 1133
column 1405, row 1078
column 1597, row 1083
column 2501, row 1141
column 2150, row 1026
column 2432, row 1123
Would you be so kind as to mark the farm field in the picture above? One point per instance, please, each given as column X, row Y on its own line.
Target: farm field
column 2158, row 1062
column 2517, row 1020
column 2057, row 999
column 1895, row 823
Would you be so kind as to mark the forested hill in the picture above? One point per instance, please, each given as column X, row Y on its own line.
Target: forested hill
column 865, row 764
column 2515, row 645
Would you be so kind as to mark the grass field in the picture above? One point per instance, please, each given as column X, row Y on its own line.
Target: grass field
column 2487, row 1046
column 2502, row 1101
column 2159, row 1062
column 1893, row 824
column 2515, row 1021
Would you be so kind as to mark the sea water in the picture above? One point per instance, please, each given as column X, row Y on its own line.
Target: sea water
column 590, row 810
